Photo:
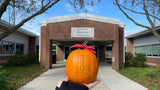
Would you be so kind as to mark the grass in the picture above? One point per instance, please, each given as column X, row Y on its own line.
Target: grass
column 148, row 76
column 20, row 75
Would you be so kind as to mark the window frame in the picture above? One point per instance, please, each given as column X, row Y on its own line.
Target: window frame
column 11, row 52
column 148, row 50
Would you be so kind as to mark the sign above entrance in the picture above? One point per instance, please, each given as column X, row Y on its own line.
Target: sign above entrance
column 82, row 32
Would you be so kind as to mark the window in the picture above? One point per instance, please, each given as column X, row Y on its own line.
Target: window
column 5, row 48
column 137, row 49
column 11, row 48
column 155, row 50
column 144, row 50
column 19, row 48
column 1, row 46
column 37, row 48
column 159, row 49
column 148, row 50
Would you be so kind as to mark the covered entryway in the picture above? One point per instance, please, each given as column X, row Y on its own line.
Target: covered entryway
column 65, row 31
column 63, row 48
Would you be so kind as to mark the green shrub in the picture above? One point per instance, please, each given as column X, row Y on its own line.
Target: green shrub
column 134, row 61
column 21, row 60
column 128, row 59
column 3, row 80
column 18, row 60
column 32, row 58
column 139, row 60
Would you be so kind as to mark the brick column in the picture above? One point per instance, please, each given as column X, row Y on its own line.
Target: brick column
column 102, row 53
column 121, row 48
column 32, row 44
column 129, row 47
column 115, row 56
column 46, row 49
column 60, row 53
column 115, row 50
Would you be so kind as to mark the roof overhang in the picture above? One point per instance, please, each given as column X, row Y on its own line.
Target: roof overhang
column 82, row 16
column 142, row 32
column 5, row 25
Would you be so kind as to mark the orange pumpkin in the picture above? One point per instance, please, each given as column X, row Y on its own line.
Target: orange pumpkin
column 81, row 66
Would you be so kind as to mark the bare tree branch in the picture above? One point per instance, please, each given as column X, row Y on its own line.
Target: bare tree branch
column 14, row 28
column 42, row 2
column 150, row 21
column 3, row 7
column 157, row 2
column 117, row 3
column 47, row 4
column 147, row 14
column 139, row 12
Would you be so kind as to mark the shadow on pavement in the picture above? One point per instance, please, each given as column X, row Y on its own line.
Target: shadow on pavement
column 58, row 66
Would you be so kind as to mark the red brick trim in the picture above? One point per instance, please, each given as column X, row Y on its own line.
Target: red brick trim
column 153, row 60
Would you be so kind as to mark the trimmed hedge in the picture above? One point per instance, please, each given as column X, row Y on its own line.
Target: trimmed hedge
column 21, row 60
column 134, row 61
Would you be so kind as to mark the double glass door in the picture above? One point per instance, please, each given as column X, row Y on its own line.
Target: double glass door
column 66, row 52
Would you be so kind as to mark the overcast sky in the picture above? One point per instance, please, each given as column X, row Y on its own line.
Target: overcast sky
column 104, row 8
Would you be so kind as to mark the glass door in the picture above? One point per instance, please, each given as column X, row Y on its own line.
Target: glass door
column 97, row 52
column 66, row 52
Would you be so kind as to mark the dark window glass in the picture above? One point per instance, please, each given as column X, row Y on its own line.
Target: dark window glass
column 5, row 48
column 1, row 47
column 11, row 48
column 37, row 48
column 67, row 51
column 19, row 49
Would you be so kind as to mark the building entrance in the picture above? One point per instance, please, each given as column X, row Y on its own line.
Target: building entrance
column 97, row 51
column 66, row 52
column 65, row 31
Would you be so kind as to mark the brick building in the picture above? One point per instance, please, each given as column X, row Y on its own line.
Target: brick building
column 65, row 31
column 146, row 43
column 20, row 42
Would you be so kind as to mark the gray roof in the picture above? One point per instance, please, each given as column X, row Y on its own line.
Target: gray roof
column 81, row 16
column 142, row 32
column 4, row 25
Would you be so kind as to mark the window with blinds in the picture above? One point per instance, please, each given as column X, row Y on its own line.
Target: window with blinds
column 11, row 48
column 148, row 50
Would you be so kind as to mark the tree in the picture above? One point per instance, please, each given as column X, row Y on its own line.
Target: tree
column 149, row 8
column 28, row 9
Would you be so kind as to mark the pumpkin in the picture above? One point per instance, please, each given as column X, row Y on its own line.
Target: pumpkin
column 81, row 66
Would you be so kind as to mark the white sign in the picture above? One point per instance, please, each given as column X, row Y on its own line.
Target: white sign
column 82, row 32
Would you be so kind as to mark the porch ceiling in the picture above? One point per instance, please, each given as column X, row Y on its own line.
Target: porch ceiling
column 71, row 42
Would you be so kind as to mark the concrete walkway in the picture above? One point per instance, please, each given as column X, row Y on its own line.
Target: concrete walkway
column 110, row 79
column 116, row 81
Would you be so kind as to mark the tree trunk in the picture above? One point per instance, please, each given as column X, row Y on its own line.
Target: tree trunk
column 156, row 34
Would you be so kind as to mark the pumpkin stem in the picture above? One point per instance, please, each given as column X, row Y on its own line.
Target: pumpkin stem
column 85, row 43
